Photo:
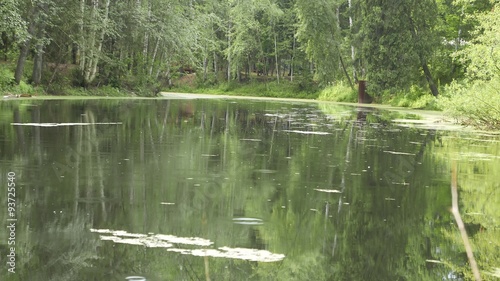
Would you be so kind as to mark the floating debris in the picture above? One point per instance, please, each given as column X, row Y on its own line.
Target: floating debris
column 399, row 153
column 328, row 190
column 390, row 199
column 233, row 253
column 158, row 240
column 248, row 221
column 266, row 171
column 256, row 140
column 401, row 183
column 135, row 278
column 307, row 132
column 167, row 203
column 167, row 241
column 10, row 96
column 118, row 233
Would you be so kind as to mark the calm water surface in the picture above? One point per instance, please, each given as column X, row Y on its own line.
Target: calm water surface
column 241, row 190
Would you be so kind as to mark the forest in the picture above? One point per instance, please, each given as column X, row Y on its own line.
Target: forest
column 433, row 54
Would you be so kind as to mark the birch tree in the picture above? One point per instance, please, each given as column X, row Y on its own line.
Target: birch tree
column 94, row 26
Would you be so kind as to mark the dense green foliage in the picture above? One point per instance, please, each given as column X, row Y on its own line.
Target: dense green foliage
column 476, row 101
column 144, row 46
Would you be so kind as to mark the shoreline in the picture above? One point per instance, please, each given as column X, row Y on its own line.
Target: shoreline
column 431, row 119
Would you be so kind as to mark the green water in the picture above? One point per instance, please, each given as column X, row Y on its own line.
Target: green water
column 240, row 190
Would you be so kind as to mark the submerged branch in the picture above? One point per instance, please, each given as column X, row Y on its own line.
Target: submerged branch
column 460, row 224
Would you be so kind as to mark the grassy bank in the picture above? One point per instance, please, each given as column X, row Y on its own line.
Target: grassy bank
column 255, row 86
column 415, row 98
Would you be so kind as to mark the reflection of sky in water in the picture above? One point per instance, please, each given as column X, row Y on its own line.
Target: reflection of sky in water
column 168, row 241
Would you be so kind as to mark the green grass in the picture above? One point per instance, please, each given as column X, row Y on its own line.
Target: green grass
column 338, row 93
column 103, row 91
column 284, row 89
column 415, row 97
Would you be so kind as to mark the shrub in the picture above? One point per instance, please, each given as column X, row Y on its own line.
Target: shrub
column 477, row 106
column 8, row 85
column 338, row 93
column 6, row 79
column 415, row 97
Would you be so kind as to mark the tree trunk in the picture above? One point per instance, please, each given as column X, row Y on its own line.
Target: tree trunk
column 21, row 60
column 89, row 61
column 101, row 39
column 38, row 61
column 23, row 54
column 155, row 51
column 430, row 81
column 345, row 71
column 265, row 67
column 247, row 68
column 81, row 47
column 276, row 56
column 146, row 39
column 293, row 55
column 205, row 66
column 229, row 54
column 423, row 61
column 37, row 65
column 353, row 57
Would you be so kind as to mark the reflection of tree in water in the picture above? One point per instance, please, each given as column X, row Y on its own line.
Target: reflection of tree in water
column 62, row 250
column 250, row 160
column 379, row 233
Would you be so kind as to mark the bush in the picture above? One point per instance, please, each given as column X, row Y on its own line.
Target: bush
column 338, row 93
column 6, row 79
column 415, row 97
column 102, row 91
column 477, row 105
column 254, row 87
column 8, row 85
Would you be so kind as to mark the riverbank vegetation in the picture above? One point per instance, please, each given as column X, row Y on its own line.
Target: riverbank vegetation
column 434, row 54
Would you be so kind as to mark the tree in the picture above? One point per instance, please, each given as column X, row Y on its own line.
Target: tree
column 397, row 39
column 94, row 25
column 483, row 54
column 319, row 30
column 12, row 25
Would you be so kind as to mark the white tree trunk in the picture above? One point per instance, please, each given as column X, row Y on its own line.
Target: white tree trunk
column 101, row 39
column 155, row 51
column 353, row 53
column 89, row 62
column 276, row 56
column 146, row 38
column 293, row 55
column 81, row 48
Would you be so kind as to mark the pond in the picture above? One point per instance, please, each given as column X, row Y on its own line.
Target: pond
column 240, row 189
